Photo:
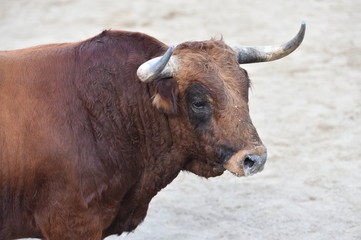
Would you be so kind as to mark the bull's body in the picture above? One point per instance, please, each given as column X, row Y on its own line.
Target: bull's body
column 85, row 145
column 80, row 143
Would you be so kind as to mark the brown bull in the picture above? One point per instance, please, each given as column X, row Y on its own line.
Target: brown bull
column 91, row 131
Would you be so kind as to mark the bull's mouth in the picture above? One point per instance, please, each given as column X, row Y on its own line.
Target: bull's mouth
column 236, row 172
column 218, row 168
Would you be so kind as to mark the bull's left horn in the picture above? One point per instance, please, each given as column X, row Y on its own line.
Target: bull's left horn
column 247, row 54
column 159, row 67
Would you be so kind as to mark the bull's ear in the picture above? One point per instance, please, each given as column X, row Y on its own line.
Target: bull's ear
column 166, row 94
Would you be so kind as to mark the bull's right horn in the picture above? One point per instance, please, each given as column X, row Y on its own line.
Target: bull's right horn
column 159, row 67
column 250, row 54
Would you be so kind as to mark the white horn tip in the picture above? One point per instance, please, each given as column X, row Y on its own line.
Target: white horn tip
column 152, row 68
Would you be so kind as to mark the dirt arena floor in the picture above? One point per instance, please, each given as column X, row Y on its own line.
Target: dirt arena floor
column 306, row 107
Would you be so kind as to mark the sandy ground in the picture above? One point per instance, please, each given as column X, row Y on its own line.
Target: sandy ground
column 306, row 107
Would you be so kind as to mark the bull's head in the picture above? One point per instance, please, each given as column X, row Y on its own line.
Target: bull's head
column 204, row 83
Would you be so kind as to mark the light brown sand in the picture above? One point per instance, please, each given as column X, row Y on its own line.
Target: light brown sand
column 306, row 107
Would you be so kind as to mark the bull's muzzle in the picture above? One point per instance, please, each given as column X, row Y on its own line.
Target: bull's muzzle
column 247, row 162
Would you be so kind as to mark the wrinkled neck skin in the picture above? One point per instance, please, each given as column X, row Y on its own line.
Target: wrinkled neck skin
column 136, row 139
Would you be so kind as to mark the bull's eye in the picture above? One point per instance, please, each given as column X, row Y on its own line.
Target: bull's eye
column 199, row 108
column 199, row 105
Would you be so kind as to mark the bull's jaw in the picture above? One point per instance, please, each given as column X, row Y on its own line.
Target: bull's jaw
column 247, row 162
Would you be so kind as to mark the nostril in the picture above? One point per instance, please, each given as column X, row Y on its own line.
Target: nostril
column 253, row 161
column 248, row 162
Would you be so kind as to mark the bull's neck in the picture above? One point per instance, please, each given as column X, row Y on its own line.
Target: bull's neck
column 123, row 121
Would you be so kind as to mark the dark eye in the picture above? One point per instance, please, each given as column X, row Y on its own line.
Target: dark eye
column 199, row 105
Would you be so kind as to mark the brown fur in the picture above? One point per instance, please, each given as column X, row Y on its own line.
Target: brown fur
column 82, row 149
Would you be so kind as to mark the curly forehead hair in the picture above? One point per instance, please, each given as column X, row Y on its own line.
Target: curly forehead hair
column 207, row 61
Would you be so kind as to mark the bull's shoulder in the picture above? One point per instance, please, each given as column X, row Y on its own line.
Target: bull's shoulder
column 123, row 43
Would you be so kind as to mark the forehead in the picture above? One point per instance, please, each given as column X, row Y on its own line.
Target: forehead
column 214, row 52
column 213, row 64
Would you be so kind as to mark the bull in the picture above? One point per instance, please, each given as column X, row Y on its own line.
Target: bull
column 91, row 131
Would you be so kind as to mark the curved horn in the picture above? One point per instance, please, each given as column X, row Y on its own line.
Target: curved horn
column 250, row 54
column 159, row 67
